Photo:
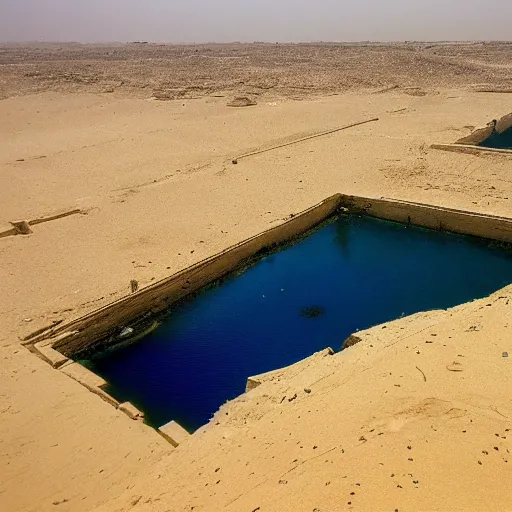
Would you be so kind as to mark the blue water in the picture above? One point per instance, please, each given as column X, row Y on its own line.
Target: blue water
column 499, row 141
column 352, row 273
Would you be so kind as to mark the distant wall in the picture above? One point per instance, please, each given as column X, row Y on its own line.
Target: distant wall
column 433, row 217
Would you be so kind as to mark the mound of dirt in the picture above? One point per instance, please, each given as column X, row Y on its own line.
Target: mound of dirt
column 415, row 91
column 241, row 101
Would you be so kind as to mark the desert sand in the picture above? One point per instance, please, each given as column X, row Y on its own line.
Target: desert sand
column 140, row 139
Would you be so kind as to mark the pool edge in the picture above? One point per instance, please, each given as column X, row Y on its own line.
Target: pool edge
column 88, row 331
column 59, row 345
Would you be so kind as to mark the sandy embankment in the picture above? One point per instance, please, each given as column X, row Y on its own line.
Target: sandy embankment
column 158, row 193
column 415, row 417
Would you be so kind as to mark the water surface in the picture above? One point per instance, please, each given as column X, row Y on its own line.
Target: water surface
column 350, row 274
column 499, row 141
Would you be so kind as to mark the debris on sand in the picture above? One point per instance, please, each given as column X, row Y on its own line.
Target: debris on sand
column 415, row 91
column 242, row 101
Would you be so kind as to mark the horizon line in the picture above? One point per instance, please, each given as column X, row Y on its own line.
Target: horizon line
column 319, row 41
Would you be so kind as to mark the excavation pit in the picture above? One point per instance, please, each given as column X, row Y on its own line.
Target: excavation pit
column 350, row 274
column 262, row 305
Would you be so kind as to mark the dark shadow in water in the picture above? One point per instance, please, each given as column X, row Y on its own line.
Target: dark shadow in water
column 312, row 311
column 499, row 140
column 356, row 272
column 342, row 235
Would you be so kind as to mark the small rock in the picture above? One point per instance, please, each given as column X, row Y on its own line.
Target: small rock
column 60, row 502
column 241, row 101
column 136, row 500
column 351, row 341
column 455, row 367
column 307, row 390
column 22, row 227
column 127, row 331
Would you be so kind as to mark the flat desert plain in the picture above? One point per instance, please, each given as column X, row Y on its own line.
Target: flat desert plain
column 138, row 139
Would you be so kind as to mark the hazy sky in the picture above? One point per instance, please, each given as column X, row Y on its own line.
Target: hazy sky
column 254, row 20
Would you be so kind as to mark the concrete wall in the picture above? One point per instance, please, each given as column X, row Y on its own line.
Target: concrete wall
column 433, row 217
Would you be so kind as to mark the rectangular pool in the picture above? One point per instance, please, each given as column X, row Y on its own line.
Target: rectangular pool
column 349, row 274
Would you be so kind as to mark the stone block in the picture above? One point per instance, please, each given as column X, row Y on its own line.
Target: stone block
column 50, row 355
column 131, row 411
column 174, row 433
column 89, row 380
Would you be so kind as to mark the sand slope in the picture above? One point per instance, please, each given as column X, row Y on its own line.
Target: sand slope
column 412, row 418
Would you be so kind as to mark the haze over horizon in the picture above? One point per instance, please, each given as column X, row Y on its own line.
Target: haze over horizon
column 187, row 21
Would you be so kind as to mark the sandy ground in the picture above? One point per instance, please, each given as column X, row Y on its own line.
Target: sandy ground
column 257, row 70
column 158, row 192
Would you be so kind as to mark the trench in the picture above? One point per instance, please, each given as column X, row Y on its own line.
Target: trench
column 348, row 274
